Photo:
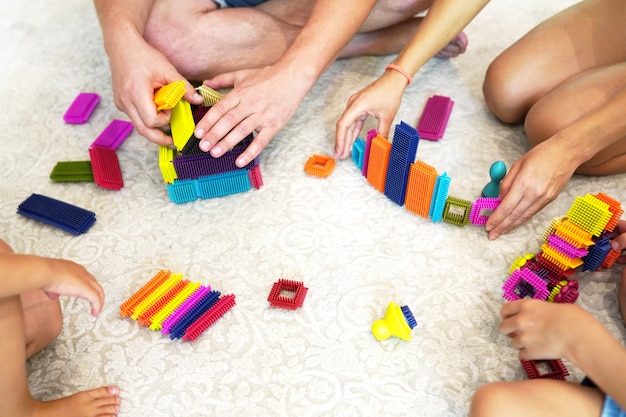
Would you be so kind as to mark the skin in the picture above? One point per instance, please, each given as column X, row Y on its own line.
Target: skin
column 543, row 330
column 382, row 98
column 566, row 81
column 153, row 43
column 31, row 314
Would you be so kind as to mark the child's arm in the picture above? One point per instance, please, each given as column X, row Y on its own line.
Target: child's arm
column 54, row 276
column 543, row 330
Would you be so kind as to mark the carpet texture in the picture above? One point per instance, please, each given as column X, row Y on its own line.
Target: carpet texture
column 353, row 248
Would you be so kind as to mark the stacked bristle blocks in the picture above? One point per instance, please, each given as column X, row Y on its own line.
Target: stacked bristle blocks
column 175, row 306
column 390, row 168
column 577, row 242
column 191, row 173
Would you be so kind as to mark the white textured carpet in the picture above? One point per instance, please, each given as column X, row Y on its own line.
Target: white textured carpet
column 352, row 247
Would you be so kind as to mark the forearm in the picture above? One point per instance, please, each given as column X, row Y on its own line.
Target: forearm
column 120, row 19
column 330, row 27
column 22, row 273
column 602, row 357
column 443, row 21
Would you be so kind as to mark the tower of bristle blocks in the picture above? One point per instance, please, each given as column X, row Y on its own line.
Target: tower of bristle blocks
column 577, row 242
column 189, row 172
column 390, row 167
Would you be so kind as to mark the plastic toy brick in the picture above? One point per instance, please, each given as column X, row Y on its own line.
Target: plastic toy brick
column 439, row 197
column 180, row 312
column 524, row 275
column 128, row 307
column 482, row 209
column 114, row 134
column 521, row 261
column 358, row 152
column 420, row 187
column 154, row 296
column 224, row 184
column 371, row 134
column 181, row 124
column 169, row 95
column 557, row 371
column 566, row 248
column 65, row 216
column 568, row 293
column 456, row 211
column 204, row 164
column 72, row 171
column 559, row 259
column 378, row 162
column 182, row 191
column 106, row 168
column 81, row 108
column 590, row 213
column 615, row 208
column 192, row 147
column 401, row 156
column 178, row 330
column 256, row 179
column 398, row 321
column 198, row 112
column 597, row 254
column 166, row 156
column 156, row 321
column 297, row 289
column 434, row 119
column 611, row 258
column 145, row 318
column 210, row 96
column 320, row 165
column 573, row 234
column 205, row 321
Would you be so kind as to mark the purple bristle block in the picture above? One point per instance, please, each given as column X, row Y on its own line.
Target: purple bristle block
column 114, row 134
column 435, row 117
column 81, row 108
column 184, row 308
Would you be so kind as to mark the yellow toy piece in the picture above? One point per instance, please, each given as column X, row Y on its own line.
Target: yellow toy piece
column 590, row 214
column 209, row 95
column 171, row 281
column 169, row 95
column 520, row 262
column 166, row 164
column 182, row 124
column 394, row 323
column 166, row 311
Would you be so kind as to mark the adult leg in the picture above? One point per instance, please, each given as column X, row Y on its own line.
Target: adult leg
column 587, row 35
column 537, row 398
column 201, row 40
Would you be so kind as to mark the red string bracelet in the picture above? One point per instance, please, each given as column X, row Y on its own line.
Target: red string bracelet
column 401, row 71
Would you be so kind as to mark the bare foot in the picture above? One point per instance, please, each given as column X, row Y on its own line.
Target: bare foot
column 456, row 47
column 99, row 402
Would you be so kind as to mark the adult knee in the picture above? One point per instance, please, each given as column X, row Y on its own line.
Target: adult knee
column 501, row 96
column 488, row 400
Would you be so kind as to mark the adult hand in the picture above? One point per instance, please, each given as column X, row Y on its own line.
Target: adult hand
column 380, row 100
column 543, row 330
column 137, row 70
column 533, row 181
column 263, row 100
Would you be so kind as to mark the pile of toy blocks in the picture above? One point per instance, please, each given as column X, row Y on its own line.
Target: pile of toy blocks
column 578, row 241
column 189, row 172
column 176, row 307
column 390, row 168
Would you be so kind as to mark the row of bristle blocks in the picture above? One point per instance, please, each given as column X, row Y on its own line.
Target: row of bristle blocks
column 389, row 168
column 103, row 166
column 175, row 306
column 578, row 241
column 190, row 173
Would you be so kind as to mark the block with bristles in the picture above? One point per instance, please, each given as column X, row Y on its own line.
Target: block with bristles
column 401, row 157
column 81, row 108
column 287, row 294
column 434, row 119
column 106, row 168
column 320, row 165
column 114, row 134
column 169, row 95
column 590, row 213
column 457, row 211
column 72, row 171
column 207, row 319
column 128, row 307
column 65, row 216
column 557, row 369
column 210, row 96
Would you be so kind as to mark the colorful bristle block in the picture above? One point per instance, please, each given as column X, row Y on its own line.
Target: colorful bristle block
column 358, row 152
column 81, row 108
column 590, row 214
column 287, row 294
column 166, row 164
column 401, row 156
column 128, row 307
column 378, row 162
column 320, row 165
column 434, row 119
column 256, row 179
column 181, row 123
column 182, row 310
column 457, row 211
column 482, row 209
column 371, row 134
column 106, row 168
column 525, row 277
column 207, row 319
column 420, row 187
column 210, row 96
column 65, row 216
column 439, row 198
column 169, row 95
column 178, row 330
column 114, row 134
column 72, row 171
column 557, row 369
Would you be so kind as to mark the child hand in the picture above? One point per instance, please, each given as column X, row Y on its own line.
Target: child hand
column 543, row 330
